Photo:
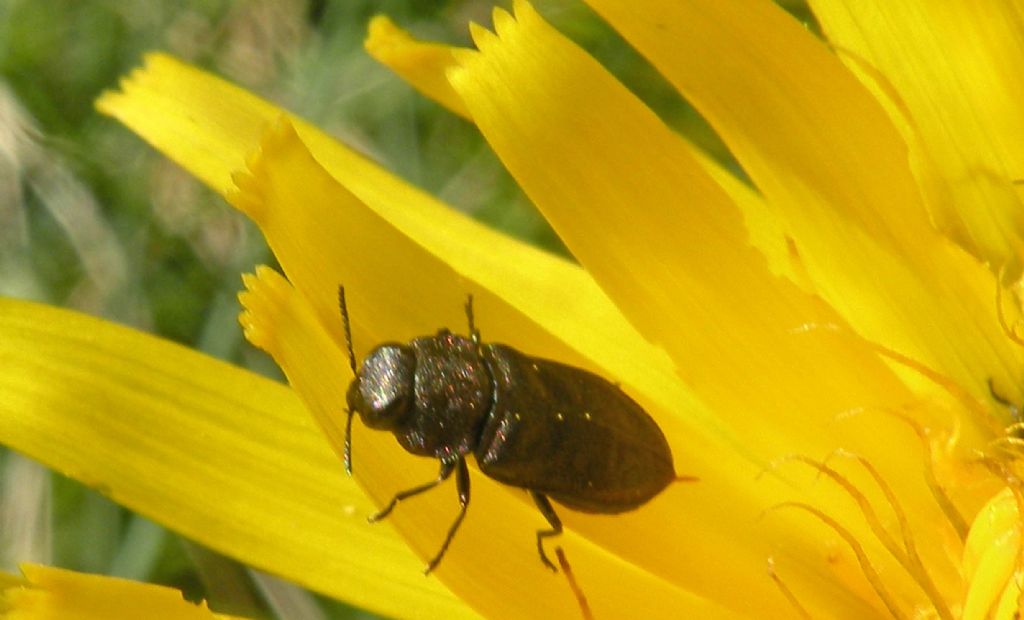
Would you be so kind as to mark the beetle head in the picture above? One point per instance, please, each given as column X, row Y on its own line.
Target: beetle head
column 382, row 392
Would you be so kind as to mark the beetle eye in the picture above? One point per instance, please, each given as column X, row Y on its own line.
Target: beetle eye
column 383, row 391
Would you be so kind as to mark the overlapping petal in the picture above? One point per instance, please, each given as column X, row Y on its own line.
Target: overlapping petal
column 836, row 170
column 317, row 266
column 322, row 234
column 48, row 593
column 681, row 238
column 420, row 64
column 222, row 455
column 950, row 72
column 659, row 235
column 566, row 301
column 279, row 319
column 593, row 324
column 991, row 560
column 843, row 236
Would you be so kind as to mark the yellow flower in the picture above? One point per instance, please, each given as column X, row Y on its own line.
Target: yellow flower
column 824, row 352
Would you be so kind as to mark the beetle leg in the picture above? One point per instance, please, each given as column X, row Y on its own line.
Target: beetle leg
column 462, row 483
column 446, row 471
column 474, row 333
column 556, row 526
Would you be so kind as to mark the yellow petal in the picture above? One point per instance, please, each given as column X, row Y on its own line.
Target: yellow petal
column 425, row 67
column 563, row 298
column 632, row 204
column 220, row 455
column 566, row 303
column 399, row 298
column 830, row 161
column 817, row 131
column 9, row 581
column 57, row 594
column 420, row 64
column 500, row 523
column 323, row 235
column 612, row 191
column 991, row 556
column 954, row 71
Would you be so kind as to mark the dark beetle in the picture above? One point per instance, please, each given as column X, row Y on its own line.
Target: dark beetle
column 557, row 431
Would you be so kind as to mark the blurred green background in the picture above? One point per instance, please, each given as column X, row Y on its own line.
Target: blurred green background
column 91, row 218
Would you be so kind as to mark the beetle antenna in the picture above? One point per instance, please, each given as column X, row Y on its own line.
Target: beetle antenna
column 347, row 455
column 473, row 333
column 348, row 329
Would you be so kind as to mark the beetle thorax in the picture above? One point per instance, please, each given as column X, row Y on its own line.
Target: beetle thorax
column 452, row 397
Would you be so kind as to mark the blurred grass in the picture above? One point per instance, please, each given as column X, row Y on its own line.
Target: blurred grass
column 93, row 219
